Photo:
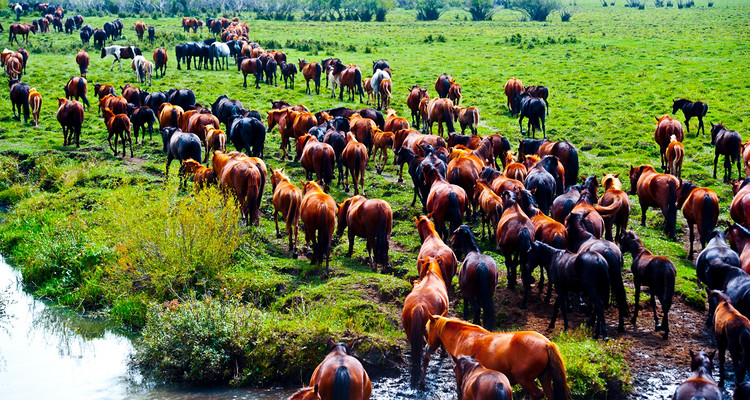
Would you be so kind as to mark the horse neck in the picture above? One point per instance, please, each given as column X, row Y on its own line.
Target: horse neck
column 578, row 235
column 702, row 372
column 425, row 231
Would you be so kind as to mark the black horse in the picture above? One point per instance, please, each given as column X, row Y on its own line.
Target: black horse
column 729, row 144
column 226, row 109
column 151, row 34
column 380, row 64
column 336, row 138
column 184, row 98
column 543, row 184
column 691, row 109
column 541, row 92
column 248, row 135
column 534, row 109
column 141, row 117
column 585, row 272
column 180, row 145
column 110, row 30
column 100, row 39
column 154, row 100
column 270, row 71
column 563, row 204
column 700, row 384
column 477, row 277
column 70, row 25
column 288, row 71
column 563, row 150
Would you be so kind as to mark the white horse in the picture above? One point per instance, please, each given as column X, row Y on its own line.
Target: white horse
column 137, row 65
column 120, row 52
column 18, row 9
column 333, row 81
column 377, row 77
column 218, row 51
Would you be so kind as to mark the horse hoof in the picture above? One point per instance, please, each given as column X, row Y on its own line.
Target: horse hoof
column 632, row 322
column 295, row 255
column 278, row 236
column 620, row 329
column 665, row 336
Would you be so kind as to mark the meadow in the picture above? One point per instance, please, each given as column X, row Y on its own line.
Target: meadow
column 111, row 237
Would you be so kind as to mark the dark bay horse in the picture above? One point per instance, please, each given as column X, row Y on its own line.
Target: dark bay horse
column 522, row 356
column 534, row 109
column 160, row 61
column 477, row 277
column 656, row 272
column 691, row 109
column 700, row 384
column 370, row 219
column 655, row 190
column 732, row 332
column 542, row 183
column 318, row 214
column 729, row 144
column 440, row 111
column 563, row 204
column 446, row 202
column 316, row 157
column 338, row 376
column 70, row 116
column 82, row 59
column 514, row 235
column 473, row 381
column 700, row 207
column 250, row 66
column 541, row 92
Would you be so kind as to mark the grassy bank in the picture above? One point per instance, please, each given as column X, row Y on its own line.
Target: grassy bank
column 110, row 236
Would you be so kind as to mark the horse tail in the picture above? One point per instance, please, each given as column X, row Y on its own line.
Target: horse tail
column 448, row 118
column 571, row 169
column 174, row 117
column 610, row 210
column 318, row 71
column 485, row 296
column 500, row 393
column 358, row 81
column 669, row 282
column 26, row 108
column 524, row 246
column 341, row 384
column 705, row 109
column 322, row 245
column 454, row 211
column 327, row 170
column 556, row 369
column 380, row 252
column 292, row 214
column 670, row 220
column 707, row 219
column 418, row 320
column 357, row 161
column 82, row 91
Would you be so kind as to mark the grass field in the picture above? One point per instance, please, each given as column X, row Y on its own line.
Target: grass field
column 104, row 234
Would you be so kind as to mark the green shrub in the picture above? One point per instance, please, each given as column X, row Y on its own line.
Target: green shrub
column 536, row 10
column 480, row 10
column 429, row 10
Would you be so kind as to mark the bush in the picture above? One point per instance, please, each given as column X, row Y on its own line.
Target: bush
column 480, row 10
column 429, row 10
column 566, row 13
column 710, row 3
column 659, row 3
column 537, row 10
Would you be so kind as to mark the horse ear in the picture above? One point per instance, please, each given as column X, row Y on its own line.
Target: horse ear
column 657, row 119
column 617, row 175
column 604, row 173
column 433, row 318
column 692, row 355
column 350, row 344
column 711, row 355
column 331, row 342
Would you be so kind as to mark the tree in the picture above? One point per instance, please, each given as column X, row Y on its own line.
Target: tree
column 429, row 10
column 537, row 10
column 481, row 10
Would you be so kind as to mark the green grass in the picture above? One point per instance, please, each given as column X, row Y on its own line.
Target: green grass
column 83, row 224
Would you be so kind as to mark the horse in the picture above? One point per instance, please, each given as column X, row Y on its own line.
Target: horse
column 613, row 206
column 533, row 109
column 318, row 214
column 160, row 61
column 151, row 34
column 351, row 79
column 564, row 151
column 19, row 98
column 250, row 66
column 100, row 38
column 585, row 272
column 477, row 277
column 243, row 177
column 563, row 204
column 215, row 139
column 675, row 154
column 700, row 384
column 288, row 71
column 440, row 111
column 732, row 332
column 181, row 146
column 655, row 190
column 70, row 116
column 381, row 142
column 434, row 247
column 416, row 171
column 739, row 241
column 362, row 129
column 82, row 59
column 248, row 134
column 76, row 87
column 338, row 376
column 286, row 200
column 729, row 144
column 120, row 52
column 464, row 172
column 147, row 70
column 541, row 92
column 311, row 71
column 20, row 29
column 739, row 210
column 385, row 94
column 202, row 176
column 102, row 90
column 446, row 202
column 446, row 86
column 118, row 125
column 656, row 272
column 270, row 71
column 380, row 64
column 316, row 157
column 593, row 222
column 473, row 381
column 580, row 240
column 466, row 116
column 514, row 235
column 219, row 51
column 35, row 101
column 691, row 109
column 718, row 265
column 354, row 158
column 169, row 115
column 490, row 204
column 141, row 117
column 513, row 88
column 700, row 206
column 666, row 127
column 370, row 219
column 523, row 356
column 542, row 183
column 140, row 29
column 416, row 94
column 377, row 77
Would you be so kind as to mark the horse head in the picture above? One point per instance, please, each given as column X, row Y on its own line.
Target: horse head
column 702, row 360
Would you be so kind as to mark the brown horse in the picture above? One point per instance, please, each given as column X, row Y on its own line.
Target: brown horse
column 467, row 117
column 381, row 142
column 517, row 171
column 316, row 157
column 339, row 376
column 666, row 127
column 311, row 71
column 491, row 205
column 739, row 210
column 118, row 104
column 160, row 61
column 251, row 66
column 239, row 175
column 286, row 200
column 318, row 214
column 140, row 29
column 454, row 93
column 362, row 128
column 394, row 123
column 700, row 384
column 446, row 86
column 433, row 246
column 428, row 297
column 440, row 111
column 169, row 115
column 118, row 125
column 655, row 190
column 614, row 206
column 732, row 331
column 35, row 101
column 446, row 202
column 513, row 236
column 371, row 220
column 739, row 239
column 412, row 101
column 21, row 29
column 656, row 272
column 424, row 106
column 700, row 206
column 82, row 59
column 202, row 176
column 70, row 116
column 350, row 78
column 76, row 87
column 513, row 88
column 102, row 90
column 215, row 139
column 675, row 154
column 368, row 89
column 728, row 143
column 523, row 356
column 464, row 172
column 474, row 382
column 355, row 160
column 385, row 93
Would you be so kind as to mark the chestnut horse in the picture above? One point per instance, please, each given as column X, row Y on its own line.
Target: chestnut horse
column 412, row 101
column 739, row 210
column 118, row 125
column 70, row 116
column 355, row 160
column 732, row 331
column 728, row 143
column 215, row 139
column 474, row 382
column 240, row 175
column 338, row 376
column 656, row 272
column 250, row 66
column 675, row 154
column 318, row 214
column 523, row 356
column 513, row 88
column 655, row 190
column 316, row 157
column 311, row 71
column 35, row 101
column 169, row 115
column 385, row 94
column 202, row 176
column 433, row 246
column 614, row 206
column 491, row 206
column 477, row 277
column 381, row 142
column 140, row 29
column 428, row 297
column 700, row 206
column 160, row 61
column 446, row 202
column 76, row 87
column 82, row 59
column 286, row 200
column 739, row 240
column 666, row 127
column 369, row 219
column 351, row 79
column 440, row 111
column 467, row 116
column 700, row 384
column 514, row 235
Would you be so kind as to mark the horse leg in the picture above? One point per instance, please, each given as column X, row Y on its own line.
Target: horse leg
column 665, row 316
column 644, row 208
column 276, row 220
column 692, row 239
column 511, row 268
column 520, row 124
column 716, row 160
column 657, row 327
column 637, row 284
column 528, row 383
column 555, row 309
column 244, row 82
column 351, row 243
column 130, row 143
